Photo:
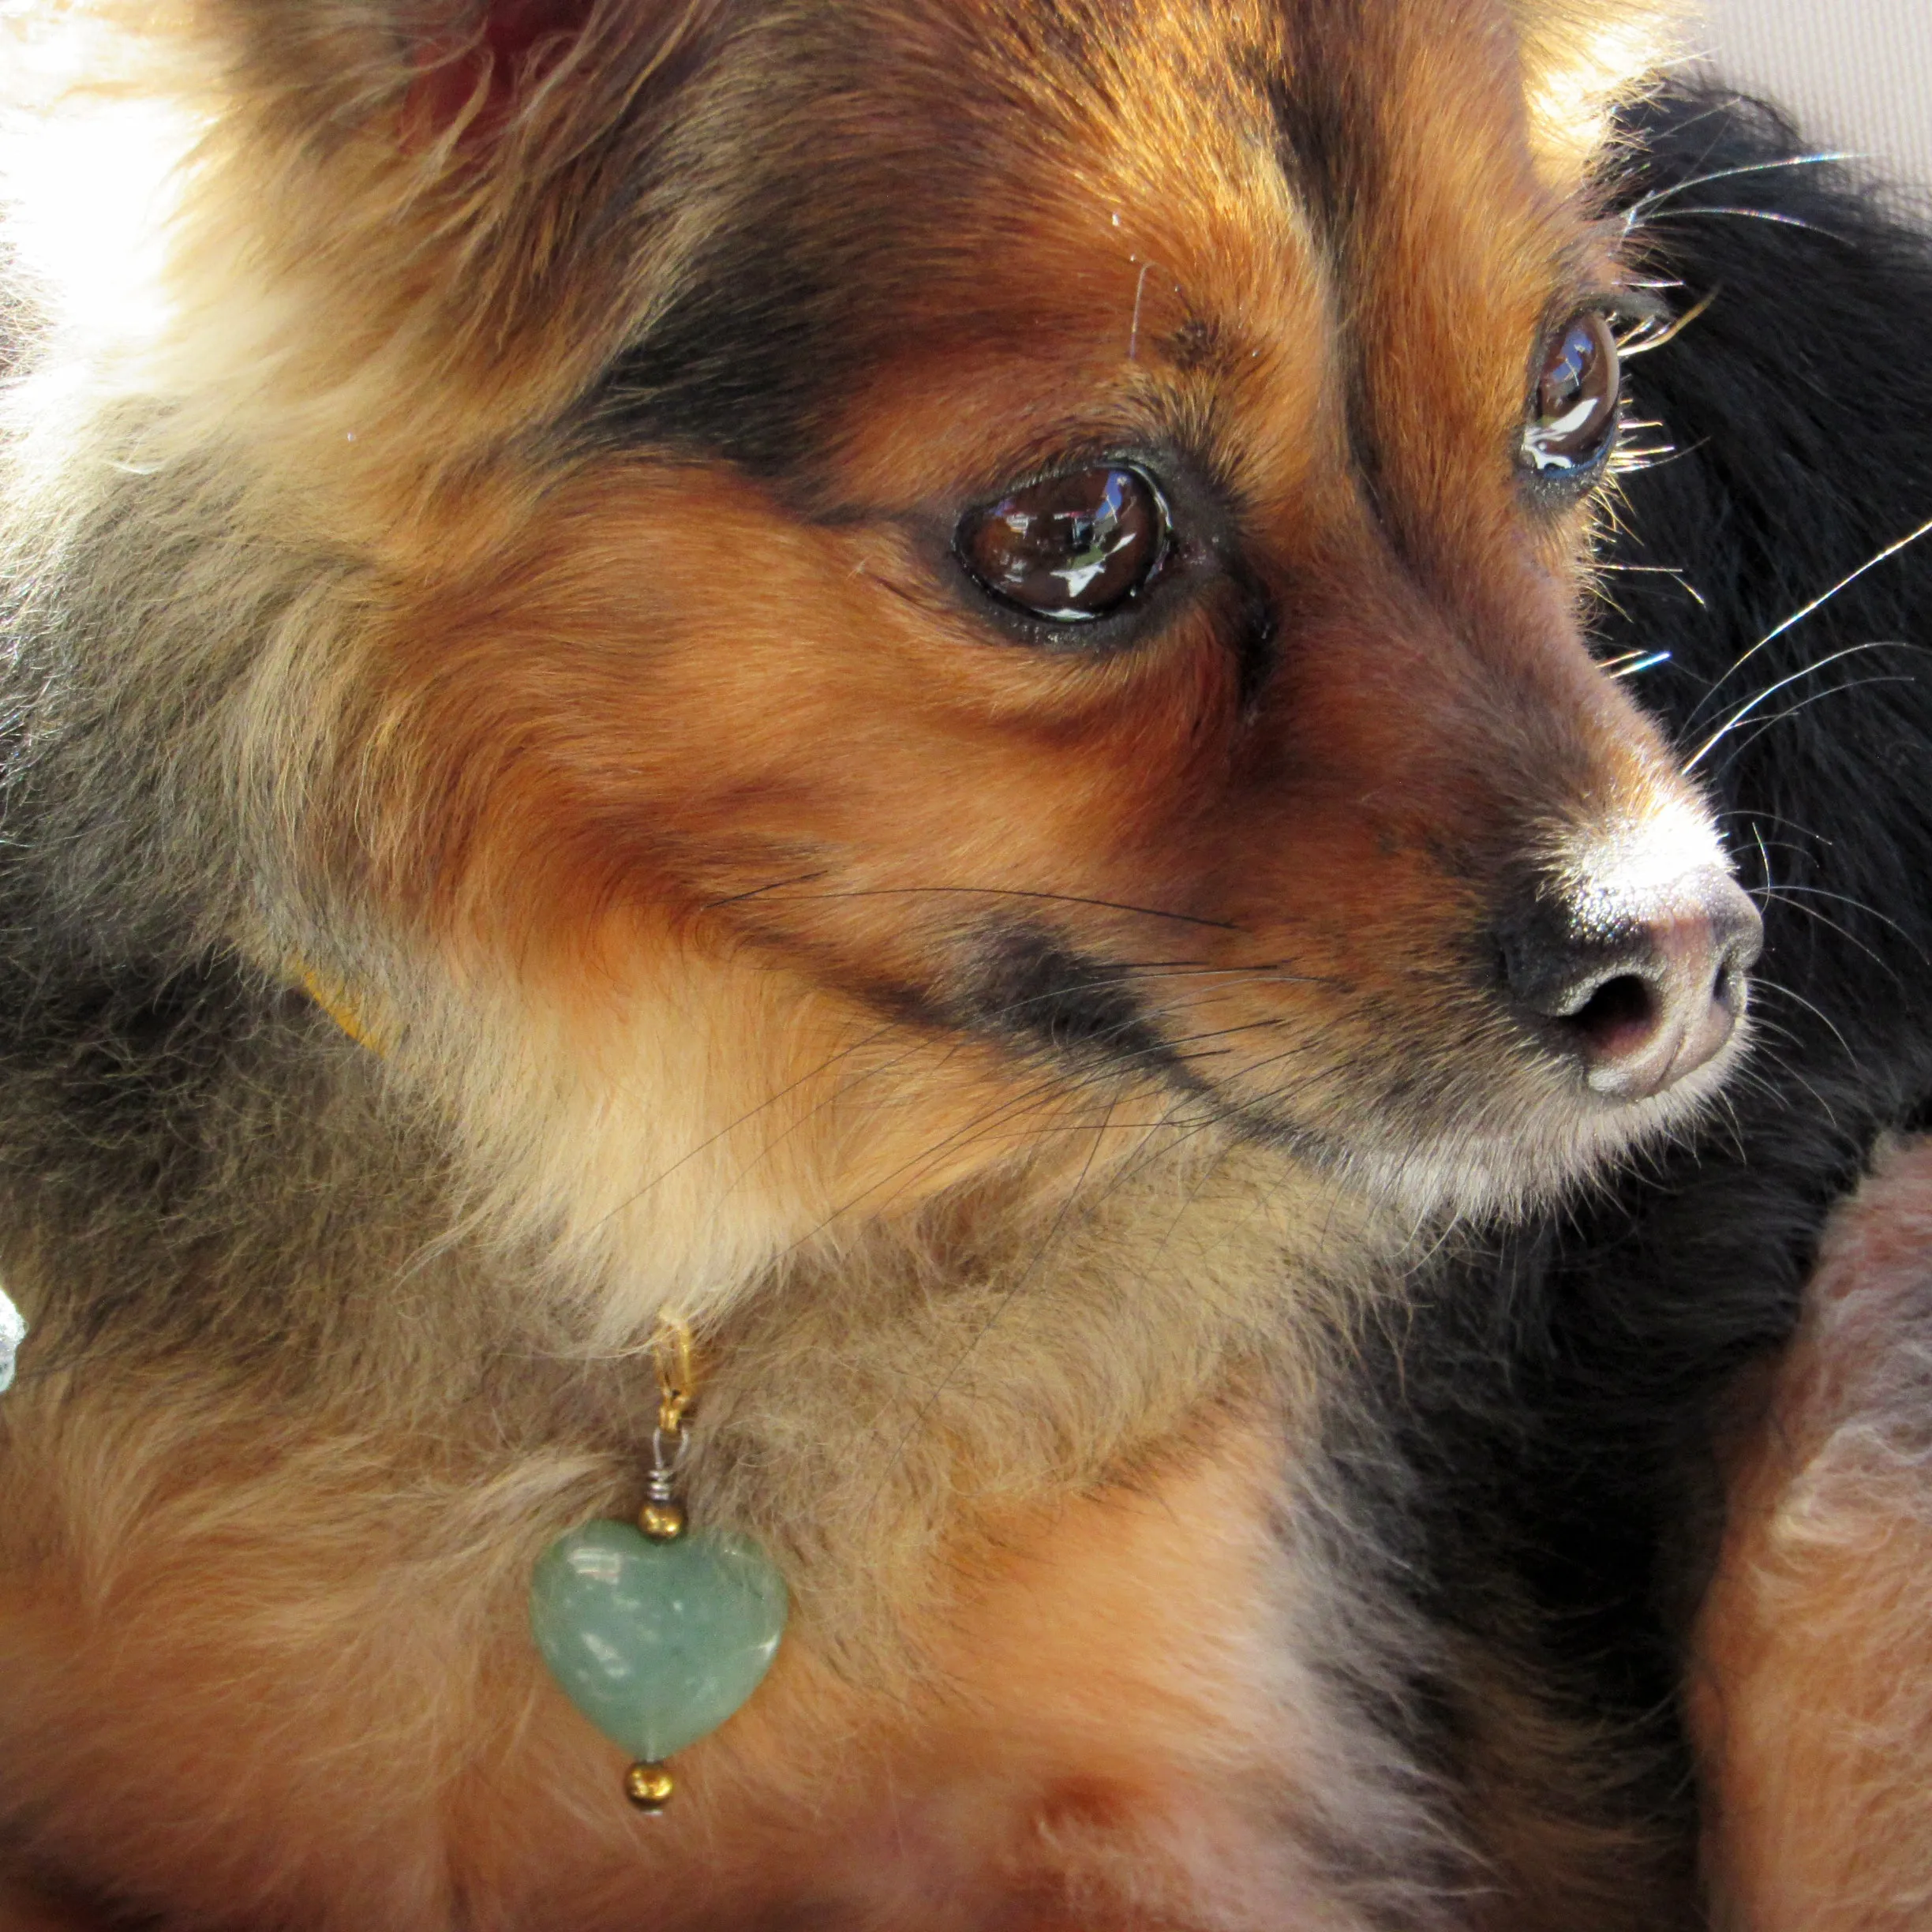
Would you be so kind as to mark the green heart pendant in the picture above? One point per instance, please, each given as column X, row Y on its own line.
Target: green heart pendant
column 656, row 1643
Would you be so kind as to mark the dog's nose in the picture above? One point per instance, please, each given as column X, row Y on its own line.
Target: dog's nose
column 1640, row 990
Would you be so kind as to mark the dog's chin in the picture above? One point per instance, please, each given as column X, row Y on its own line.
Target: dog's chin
column 1541, row 1139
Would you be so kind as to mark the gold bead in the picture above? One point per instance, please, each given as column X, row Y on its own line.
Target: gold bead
column 663, row 1522
column 649, row 1787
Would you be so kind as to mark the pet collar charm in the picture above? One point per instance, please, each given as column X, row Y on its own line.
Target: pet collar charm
column 657, row 1635
column 12, row 1333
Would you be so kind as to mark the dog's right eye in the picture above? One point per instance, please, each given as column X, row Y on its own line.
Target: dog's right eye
column 1573, row 413
column 1071, row 548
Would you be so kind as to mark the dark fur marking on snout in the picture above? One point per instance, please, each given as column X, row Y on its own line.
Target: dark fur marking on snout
column 1027, row 985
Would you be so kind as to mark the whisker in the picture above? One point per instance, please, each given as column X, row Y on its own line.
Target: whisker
column 1726, row 1100
column 1635, row 214
column 1818, row 603
column 1765, row 847
column 1121, row 1064
column 1130, row 973
column 1289, row 1053
column 1751, row 214
column 998, row 1309
column 751, row 1114
column 1743, row 711
column 1772, row 817
column 1787, row 1069
column 1772, row 986
column 1782, row 895
column 1647, row 661
column 1859, row 905
column 1643, row 340
column 1007, row 1109
column 1630, row 461
column 1193, row 1192
column 1003, row 892
column 1187, row 1131
column 758, row 892
column 1804, row 704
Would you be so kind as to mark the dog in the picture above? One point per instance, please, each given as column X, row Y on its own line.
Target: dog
column 910, row 683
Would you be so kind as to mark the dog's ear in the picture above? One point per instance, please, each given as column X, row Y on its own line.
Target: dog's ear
column 395, row 206
column 1581, row 59
column 440, row 74
column 475, row 73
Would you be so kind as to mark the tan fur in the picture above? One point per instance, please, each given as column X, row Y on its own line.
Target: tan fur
column 1812, row 1691
column 1084, row 1706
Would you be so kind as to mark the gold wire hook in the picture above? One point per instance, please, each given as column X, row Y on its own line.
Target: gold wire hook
column 677, row 1380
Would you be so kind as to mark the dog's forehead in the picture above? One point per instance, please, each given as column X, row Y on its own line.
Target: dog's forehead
column 1185, row 185
column 1038, row 133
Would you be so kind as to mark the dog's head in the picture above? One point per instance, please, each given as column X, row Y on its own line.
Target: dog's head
column 974, row 575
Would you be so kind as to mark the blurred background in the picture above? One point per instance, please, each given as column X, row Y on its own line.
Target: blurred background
column 1858, row 73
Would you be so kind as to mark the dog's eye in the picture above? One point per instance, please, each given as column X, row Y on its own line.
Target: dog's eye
column 1574, row 412
column 1071, row 548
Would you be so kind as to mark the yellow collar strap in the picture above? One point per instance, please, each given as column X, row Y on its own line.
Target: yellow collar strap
column 335, row 1001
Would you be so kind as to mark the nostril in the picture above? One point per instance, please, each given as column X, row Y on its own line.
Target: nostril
column 1579, row 973
column 1738, row 931
column 1617, row 1018
column 1728, row 987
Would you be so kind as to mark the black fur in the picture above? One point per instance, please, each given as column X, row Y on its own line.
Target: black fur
column 1553, row 1401
column 1030, row 985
